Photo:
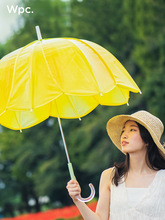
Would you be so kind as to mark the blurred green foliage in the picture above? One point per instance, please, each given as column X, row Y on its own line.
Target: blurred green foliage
column 33, row 164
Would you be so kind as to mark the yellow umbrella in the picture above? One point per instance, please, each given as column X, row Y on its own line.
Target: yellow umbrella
column 59, row 77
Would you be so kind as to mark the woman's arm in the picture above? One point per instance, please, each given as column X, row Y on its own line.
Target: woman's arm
column 102, row 210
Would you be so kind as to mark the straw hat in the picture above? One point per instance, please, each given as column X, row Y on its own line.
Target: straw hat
column 149, row 121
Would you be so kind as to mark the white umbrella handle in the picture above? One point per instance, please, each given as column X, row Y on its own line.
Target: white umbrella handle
column 91, row 196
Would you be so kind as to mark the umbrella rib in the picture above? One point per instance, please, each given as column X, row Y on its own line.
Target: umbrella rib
column 18, row 119
column 124, row 95
column 70, row 98
column 88, row 64
column 83, row 42
column 130, row 78
column 31, row 85
column 128, row 75
column 104, row 63
column 14, row 70
column 49, row 70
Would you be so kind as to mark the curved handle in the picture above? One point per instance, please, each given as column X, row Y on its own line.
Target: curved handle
column 89, row 198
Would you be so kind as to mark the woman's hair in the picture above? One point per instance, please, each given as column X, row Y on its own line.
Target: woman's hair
column 154, row 159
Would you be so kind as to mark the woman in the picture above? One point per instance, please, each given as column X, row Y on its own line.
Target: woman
column 134, row 189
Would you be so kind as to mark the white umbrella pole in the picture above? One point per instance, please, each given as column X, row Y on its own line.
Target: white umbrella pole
column 89, row 198
column 66, row 151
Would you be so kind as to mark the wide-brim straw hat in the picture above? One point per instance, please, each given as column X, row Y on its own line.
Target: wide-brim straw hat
column 149, row 121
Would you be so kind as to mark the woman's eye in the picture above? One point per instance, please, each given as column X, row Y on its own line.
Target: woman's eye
column 133, row 129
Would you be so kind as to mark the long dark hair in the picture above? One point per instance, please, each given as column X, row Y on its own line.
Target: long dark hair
column 154, row 159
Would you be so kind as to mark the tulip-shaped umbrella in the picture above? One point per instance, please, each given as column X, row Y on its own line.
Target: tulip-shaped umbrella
column 59, row 77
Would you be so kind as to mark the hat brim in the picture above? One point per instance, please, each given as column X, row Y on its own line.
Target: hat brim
column 116, row 124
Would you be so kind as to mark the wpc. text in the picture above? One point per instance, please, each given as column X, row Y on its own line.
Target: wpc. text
column 19, row 10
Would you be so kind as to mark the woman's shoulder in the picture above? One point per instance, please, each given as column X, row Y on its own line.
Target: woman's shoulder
column 108, row 173
column 105, row 180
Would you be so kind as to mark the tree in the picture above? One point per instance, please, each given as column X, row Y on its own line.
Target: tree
column 149, row 55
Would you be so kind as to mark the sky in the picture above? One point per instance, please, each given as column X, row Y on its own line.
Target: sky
column 9, row 16
column 8, row 21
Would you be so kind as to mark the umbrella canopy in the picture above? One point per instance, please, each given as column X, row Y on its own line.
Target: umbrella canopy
column 60, row 77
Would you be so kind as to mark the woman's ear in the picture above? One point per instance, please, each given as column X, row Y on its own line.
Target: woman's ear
column 147, row 144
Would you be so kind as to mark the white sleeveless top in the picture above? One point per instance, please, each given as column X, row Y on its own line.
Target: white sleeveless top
column 151, row 205
column 134, row 195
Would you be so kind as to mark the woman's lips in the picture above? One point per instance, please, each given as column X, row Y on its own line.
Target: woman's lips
column 123, row 143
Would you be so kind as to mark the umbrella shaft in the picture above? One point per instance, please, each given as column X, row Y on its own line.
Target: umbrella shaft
column 63, row 138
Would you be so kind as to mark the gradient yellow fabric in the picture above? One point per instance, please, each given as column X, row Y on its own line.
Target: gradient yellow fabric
column 59, row 77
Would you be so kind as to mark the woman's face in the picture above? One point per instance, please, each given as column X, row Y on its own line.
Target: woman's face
column 131, row 140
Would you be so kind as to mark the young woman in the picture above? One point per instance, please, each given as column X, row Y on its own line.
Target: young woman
column 134, row 189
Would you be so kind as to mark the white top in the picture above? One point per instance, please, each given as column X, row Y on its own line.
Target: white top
column 149, row 204
column 134, row 195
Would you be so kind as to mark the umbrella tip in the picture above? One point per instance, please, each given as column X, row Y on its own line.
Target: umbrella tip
column 101, row 93
column 39, row 36
column 31, row 110
column 127, row 104
column 140, row 92
column 79, row 119
column 20, row 131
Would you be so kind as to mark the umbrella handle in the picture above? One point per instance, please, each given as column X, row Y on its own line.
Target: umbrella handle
column 71, row 169
column 89, row 198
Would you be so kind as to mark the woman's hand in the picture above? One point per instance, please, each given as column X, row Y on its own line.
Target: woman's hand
column 74, row 189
